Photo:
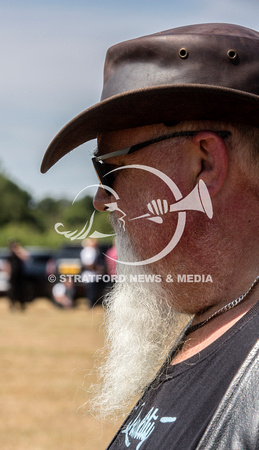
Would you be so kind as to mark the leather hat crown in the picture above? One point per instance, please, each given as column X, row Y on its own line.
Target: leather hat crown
column 197, row 72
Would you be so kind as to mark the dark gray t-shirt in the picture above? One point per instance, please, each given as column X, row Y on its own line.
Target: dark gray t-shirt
column 174, row 412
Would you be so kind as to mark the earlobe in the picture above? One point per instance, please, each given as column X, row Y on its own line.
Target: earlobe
column 213, row 156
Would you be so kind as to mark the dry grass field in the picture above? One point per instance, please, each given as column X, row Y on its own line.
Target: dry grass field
column 46, row 358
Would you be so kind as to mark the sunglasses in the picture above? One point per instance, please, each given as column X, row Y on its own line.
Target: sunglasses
column 103, row 169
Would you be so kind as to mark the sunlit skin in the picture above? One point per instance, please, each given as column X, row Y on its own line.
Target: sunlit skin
column 136, row 188
column 205, row 156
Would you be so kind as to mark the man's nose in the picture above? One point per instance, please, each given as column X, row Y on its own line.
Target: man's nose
column 101, row 198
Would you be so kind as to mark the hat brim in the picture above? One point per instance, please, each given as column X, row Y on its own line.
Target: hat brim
column 147, row 106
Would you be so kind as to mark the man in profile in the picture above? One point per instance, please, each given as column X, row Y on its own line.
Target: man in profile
column 179, row 111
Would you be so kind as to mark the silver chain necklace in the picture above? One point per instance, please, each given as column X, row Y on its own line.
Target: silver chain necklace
column 221, row 310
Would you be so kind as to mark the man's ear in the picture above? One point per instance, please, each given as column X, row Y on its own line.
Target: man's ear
column 213, row 160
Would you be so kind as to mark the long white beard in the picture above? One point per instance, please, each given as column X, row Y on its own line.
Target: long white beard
column 141, row 328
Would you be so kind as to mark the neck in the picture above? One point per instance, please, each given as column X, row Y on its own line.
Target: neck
column 232, row 304
column 204, row 336
column 228, row 303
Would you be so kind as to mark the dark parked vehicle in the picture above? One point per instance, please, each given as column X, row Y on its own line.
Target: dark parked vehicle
column 44, row 262
column 36, row 282
column 36, row 274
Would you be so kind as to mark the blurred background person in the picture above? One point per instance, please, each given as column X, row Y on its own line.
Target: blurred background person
column 63, row 294
column 18, row 255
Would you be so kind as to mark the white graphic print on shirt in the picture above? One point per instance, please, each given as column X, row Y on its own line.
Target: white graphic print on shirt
column 140, row 429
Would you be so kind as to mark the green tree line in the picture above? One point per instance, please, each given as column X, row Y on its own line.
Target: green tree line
column 32, row 222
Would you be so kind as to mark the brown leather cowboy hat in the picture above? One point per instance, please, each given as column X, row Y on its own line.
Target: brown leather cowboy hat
column 197, row 72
